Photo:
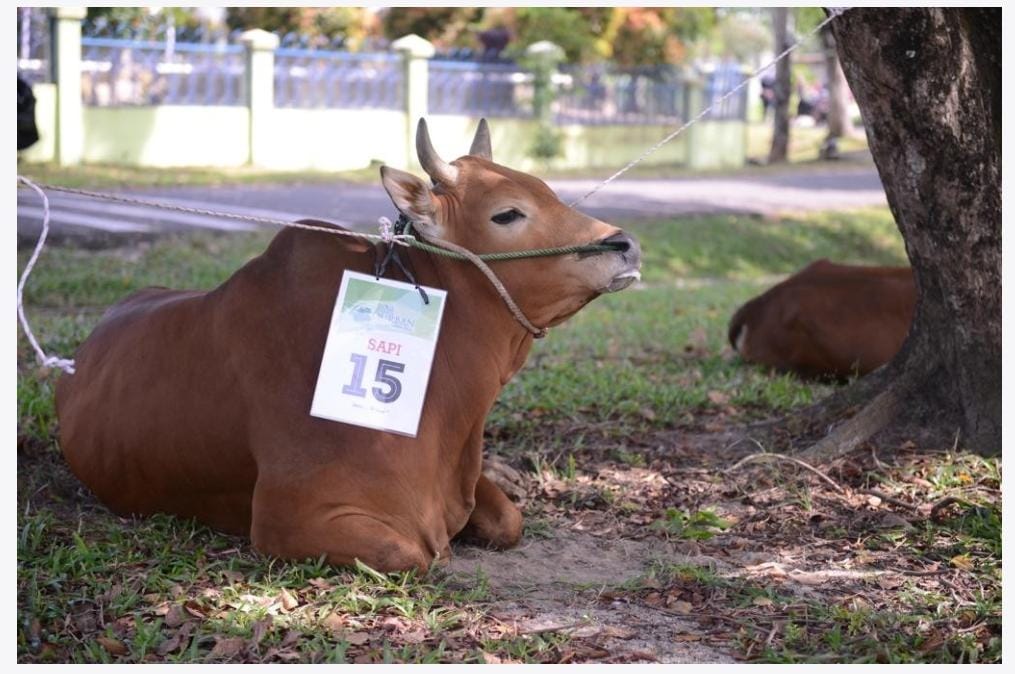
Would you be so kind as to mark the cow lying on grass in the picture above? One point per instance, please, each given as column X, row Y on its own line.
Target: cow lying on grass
column 197, row 403
column 828, row 320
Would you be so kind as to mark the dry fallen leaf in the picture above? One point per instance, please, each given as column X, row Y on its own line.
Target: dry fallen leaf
column 232, row 576
column 962, row 562
column 356, row 638
column 113, row 646
column 414, row 637
column 618, row 632
column 321, row 584
column 176, row 616
column 333, row 622
column 287, row 600
column 718, row 397
column 681, row 606
column 195, row 609
column 261, row 627
column 227, row 647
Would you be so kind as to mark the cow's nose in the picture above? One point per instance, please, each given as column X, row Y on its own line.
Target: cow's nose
column 626, row 245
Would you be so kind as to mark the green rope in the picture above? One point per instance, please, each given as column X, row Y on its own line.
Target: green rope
column 515, row 254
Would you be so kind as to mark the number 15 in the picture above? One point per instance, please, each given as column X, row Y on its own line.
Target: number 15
column 383, row 376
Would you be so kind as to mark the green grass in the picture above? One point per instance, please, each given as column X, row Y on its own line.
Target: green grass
column 95, row 588
column 804, row 143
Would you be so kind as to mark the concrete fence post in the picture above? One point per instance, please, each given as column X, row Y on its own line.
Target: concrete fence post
column 694, row 102
column 260, row 46
column 416, row 54
column 65, row 62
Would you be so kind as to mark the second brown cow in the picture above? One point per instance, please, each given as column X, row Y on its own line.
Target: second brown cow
column 827, row 320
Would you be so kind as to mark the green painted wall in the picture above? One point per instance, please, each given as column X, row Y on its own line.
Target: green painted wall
column 715, row 144
column 337, row 140
column 167, row 135
column 333, row 140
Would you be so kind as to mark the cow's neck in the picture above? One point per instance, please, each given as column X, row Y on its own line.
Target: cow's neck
column 493, row 345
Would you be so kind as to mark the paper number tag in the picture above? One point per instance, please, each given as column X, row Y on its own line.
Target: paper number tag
column 378, row 354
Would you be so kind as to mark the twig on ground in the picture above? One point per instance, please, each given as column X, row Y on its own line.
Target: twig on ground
column 935, row 572
column 944, row 503
column 767, row 456
column 888, row 499
column 551, row 628
column 877, row 461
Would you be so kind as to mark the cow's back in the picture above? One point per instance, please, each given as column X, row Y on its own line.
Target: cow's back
column 128, row 413
column 828, row 320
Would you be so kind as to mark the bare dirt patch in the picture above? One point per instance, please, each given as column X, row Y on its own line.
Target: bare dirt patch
column 556, row 584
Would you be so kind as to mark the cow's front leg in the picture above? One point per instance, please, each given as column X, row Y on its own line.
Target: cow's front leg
column 287, row 526
column 495, row 519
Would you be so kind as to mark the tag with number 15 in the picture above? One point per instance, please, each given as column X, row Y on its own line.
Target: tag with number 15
column 378, row 354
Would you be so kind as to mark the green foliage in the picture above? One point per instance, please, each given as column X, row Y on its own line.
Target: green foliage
column 319, row 24
column 697, row 526
column 564, row 26
column 631, row 36
column 442, row 25
column 650, row 36
column 742, row 36
column 806, row 19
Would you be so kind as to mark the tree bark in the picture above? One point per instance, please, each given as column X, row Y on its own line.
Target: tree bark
column 839, row 122
column 928, row 82
column 780, row 129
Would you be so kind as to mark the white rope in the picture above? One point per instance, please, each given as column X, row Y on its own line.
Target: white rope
column 400, row 239
column 385, row 227
column 65, row 364
column 834, row 12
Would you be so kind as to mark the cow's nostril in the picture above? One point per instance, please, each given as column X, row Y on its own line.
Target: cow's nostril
column 621, row 241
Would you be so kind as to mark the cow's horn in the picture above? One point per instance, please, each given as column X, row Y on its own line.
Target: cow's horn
column 481, row 143
column 439, row 170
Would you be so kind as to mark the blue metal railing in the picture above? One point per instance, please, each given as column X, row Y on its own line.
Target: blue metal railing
column 718, row 82
column 605, row 94
column 116, row 72
column 33, row 44
column 476, row 88
column 311, row 78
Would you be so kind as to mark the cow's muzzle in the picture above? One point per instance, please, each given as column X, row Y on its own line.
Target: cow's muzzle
column 629, row 250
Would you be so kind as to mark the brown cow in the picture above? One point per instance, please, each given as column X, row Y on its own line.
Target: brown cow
column 827, row 320
column 197, row 403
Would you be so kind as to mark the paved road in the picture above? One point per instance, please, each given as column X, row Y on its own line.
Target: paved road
column 92, row 222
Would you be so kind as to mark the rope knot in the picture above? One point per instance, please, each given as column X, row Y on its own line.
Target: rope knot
column 387, row 232
column 65, row 364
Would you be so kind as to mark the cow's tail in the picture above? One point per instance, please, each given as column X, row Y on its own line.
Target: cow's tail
column 737, row 332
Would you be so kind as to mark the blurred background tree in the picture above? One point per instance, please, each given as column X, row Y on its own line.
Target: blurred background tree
column 444, row 26
column 316, row 25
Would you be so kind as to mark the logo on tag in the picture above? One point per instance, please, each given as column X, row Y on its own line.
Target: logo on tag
column 378, row 354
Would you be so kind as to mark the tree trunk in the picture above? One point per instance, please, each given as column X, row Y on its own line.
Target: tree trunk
column 839, row 122
column 780, row 129
column 928, row 82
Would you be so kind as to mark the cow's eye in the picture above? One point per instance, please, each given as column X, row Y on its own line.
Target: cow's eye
column 508, row 216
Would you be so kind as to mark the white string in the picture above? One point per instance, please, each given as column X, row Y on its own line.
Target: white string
column 65, row 364
column 838, row 11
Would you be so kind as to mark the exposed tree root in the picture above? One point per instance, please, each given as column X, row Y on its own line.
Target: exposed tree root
column 852, row 433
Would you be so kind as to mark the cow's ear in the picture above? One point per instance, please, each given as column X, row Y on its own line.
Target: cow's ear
column 413, row 198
